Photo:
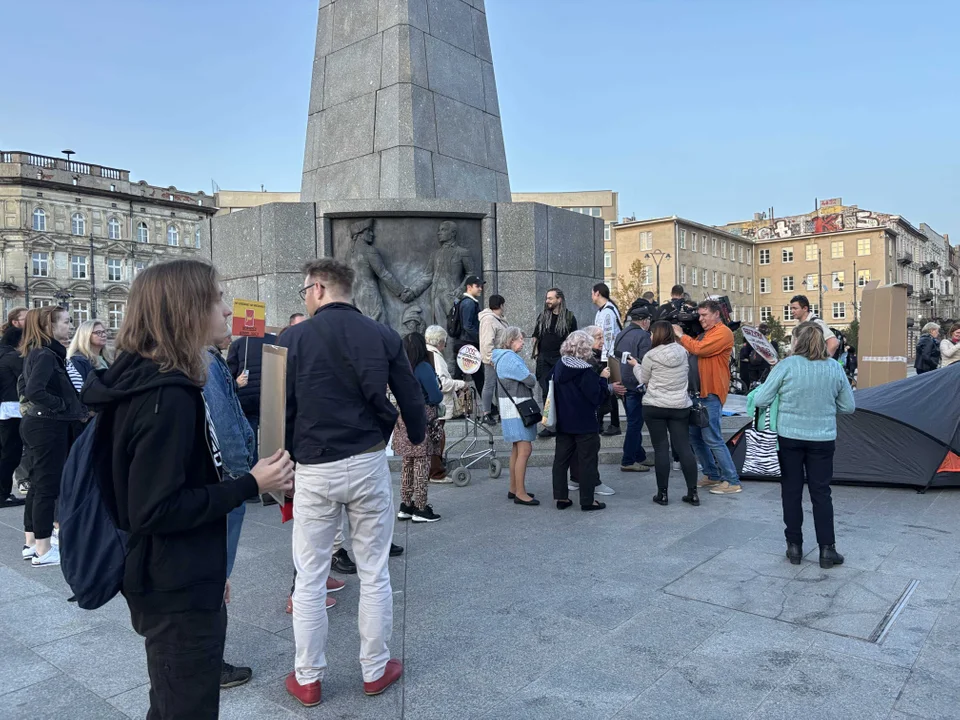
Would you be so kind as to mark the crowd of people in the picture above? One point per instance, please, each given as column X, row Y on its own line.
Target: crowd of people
column 174, row 425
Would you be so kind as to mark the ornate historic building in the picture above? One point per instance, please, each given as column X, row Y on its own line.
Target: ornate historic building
column 76, row 233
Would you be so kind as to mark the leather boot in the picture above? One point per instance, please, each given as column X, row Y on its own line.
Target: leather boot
column 794, row 553
column 661, row 497
column 829, row 556
column 691, row 497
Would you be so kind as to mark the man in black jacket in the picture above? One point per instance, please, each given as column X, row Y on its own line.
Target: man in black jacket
column 469, row 308
column 635, row 340
column 339, row 420
column 928, row 349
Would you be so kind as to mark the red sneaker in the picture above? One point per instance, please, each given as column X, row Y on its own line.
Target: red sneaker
column 333, row 585
column 308, row 695
column 391, row 674
column 330, row 602
column 290, row 605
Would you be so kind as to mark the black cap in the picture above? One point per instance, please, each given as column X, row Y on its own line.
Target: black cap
column 473, row 280
column 640, row 312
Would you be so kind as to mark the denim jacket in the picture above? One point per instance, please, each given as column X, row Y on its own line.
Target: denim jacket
column 237, row 443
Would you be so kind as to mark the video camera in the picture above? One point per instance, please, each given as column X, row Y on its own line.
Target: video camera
column 684, row 313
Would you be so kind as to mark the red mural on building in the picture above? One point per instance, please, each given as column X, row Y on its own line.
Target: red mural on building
column 828, row 223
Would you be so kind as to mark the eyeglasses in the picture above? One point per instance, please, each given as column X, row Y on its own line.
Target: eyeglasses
column 305, row 290
column 102, row 333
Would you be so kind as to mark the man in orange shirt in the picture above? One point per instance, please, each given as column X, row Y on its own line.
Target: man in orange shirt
column 713, row 359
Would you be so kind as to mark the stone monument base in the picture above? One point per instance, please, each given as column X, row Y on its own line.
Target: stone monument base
column 521, row 250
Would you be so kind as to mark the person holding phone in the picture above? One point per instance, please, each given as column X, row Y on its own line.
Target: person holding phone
column 633, row 342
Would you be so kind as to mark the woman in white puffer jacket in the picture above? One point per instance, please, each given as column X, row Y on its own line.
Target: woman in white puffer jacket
column 666, row 408
column 950, row 347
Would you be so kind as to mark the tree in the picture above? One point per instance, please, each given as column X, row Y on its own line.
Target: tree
column 626, row 289
column 777, row 331
column 853, row 334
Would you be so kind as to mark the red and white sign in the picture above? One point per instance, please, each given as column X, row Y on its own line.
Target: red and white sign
column 759, row 343
column 469, row 359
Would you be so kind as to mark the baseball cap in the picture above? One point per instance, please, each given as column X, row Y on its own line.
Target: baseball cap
column 473, row 280
column 640, row 312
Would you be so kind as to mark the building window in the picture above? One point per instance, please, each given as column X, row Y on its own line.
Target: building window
column 749, row 286
column 196, row 238
column 863, row 277
column 606, row 234
column 836, row 249
column 723, row 249
column 683, row 274
column 41, row 265
column 693, row 242
column 838, row 280
column 787, row 315
column 863, row 246
column 703, row 244
column 786, row 255
column 78, row 226
column 39, row 220
column 42, row 302
column 607, row 260
column 647, row 275
column 78, row 267
column 138, row 266
column 890, row 248
column 715, row 278
column 764, row 286
column 787, row 283
column 750, row 262
column 839, row 311
column 113, row 229
column 114, row 269
column 713, row 246
column 115, row 314
column 815, row 309
column 693, row 276
column 173, row 235
column 81, row 311
column 143, row 232
column 765, row 256
column 741, row 283
column 810, row 281
column 740, row 253
column 723, row 282
column 683, row 239
column 766, row 313
column 810, row 252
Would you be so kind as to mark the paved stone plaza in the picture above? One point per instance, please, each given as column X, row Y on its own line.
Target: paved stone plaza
column 505, row 611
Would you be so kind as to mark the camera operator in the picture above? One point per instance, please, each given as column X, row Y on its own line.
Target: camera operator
column 712, row 350
column 676, row 300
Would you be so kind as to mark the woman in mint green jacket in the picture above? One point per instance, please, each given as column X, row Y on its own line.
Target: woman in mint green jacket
column 812, row 390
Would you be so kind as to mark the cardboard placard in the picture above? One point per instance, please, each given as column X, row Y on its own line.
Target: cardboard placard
column 249, row 318
column 469, row 359
column 883, row 335
column 613, row 363
column 273, row 403
column 758, row 342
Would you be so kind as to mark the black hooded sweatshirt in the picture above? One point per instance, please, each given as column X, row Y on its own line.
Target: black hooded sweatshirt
column 11, row 364
column 160, row 477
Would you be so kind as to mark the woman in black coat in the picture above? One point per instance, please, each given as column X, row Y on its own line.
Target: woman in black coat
column 11, row 366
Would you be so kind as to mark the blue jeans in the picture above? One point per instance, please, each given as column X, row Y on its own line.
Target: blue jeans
column 633, row 451
column 234, row 524
column 710, row 448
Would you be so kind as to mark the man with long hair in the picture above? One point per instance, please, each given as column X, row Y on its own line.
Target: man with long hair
column 553, row 326
column 609, row 321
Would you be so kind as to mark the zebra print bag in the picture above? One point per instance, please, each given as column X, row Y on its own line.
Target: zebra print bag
column 761, row 458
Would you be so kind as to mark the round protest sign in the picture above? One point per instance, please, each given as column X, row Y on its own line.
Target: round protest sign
column 759, row 343
column 468, row 359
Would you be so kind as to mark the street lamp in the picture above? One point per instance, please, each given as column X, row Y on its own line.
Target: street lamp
column 658, row 256
column 63, row 298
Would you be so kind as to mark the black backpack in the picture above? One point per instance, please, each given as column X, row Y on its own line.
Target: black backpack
column 455, row 321
column 93, row 550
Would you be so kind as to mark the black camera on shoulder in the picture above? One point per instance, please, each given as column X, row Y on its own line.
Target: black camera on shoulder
column 684, row 313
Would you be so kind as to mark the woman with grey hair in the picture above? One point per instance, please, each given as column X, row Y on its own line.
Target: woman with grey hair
column 813, row 390
column 436, row 338
column 515, row 383
column 578, row 392
column 928, row 349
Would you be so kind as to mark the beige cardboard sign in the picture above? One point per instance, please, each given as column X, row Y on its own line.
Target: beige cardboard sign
column 273, row 403
column 883, row 335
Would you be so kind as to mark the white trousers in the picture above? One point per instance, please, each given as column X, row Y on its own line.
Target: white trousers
column 361, row 486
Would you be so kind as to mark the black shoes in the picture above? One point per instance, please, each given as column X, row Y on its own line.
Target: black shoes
column 544, row 434
column 597, row 505
column 611, row 431
column 395, row 550
column 661, row 497
column 692, row 497
column 268, row 499
column 405, row 512
column 489, row 420
column 512, row 496
column 794, row 553
column 532, row 501
column 427, row 515
column 231, row 676
column 11, row 501
column 564, row 504
column 342, row 563
column 829, row 556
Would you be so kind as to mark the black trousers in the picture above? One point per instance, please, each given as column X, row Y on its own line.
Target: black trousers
column 46, row 442
column 544, row 372
column 811, row 462
column 11, row 453
column 612, row 406
column 675, row 422
column 184, row 660
column 581, row 452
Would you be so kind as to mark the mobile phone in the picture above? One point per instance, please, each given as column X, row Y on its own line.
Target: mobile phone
column 625, row 358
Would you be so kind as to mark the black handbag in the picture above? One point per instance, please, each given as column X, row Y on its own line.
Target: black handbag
column 699, row 415
column 528, row 409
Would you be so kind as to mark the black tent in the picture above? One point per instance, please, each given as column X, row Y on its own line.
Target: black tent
column 904, row 433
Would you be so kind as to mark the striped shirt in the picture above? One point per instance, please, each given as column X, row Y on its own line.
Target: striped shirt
column 76, row 379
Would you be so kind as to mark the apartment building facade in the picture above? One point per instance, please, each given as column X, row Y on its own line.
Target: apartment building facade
column 75, row 233
column 596, row 203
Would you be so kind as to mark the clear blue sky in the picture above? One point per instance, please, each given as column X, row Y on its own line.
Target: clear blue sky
column 710, row 109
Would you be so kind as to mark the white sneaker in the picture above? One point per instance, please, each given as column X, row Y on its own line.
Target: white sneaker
column 29, row 552
column 442, row 481
column 55, row 538
column 575, row 487
column 51, row 558
column 604, row 489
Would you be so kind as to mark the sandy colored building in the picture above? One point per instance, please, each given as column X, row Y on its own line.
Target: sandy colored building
column 596, row 203
column 228, row 201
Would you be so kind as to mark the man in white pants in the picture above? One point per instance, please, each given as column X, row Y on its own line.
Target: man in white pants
column 339, row 364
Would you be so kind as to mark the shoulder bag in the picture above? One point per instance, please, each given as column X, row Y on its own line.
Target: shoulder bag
column 528, row 409
column 699, row 415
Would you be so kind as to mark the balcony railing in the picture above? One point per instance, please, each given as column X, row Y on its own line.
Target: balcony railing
column 73, row 167
column 905, row 258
